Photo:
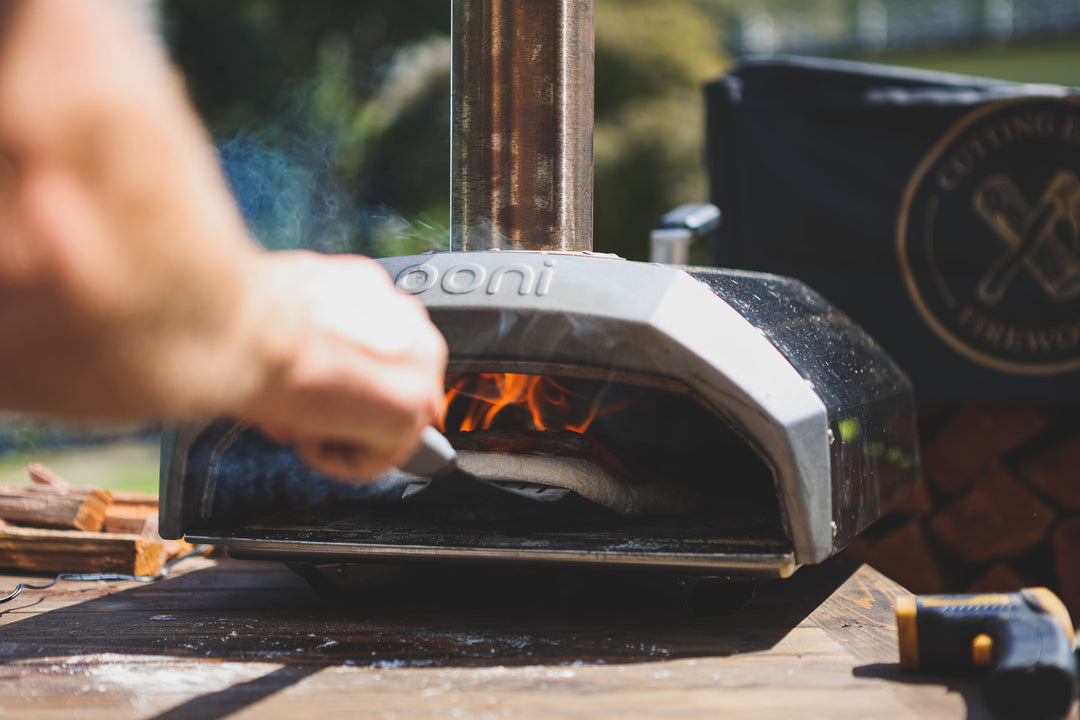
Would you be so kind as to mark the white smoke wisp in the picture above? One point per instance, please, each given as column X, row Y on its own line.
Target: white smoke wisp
column 284, row 180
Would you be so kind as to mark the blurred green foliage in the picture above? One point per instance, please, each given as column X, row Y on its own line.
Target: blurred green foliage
column 651, row 62
column 333, row 116
column 1043, row 62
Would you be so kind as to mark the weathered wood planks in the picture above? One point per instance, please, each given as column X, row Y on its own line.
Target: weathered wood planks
column 250, row 640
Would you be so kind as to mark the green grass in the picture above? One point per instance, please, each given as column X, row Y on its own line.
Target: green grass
column 1056, row 63
column 127, row 466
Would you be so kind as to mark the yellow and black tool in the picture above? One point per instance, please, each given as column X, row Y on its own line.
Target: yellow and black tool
column 1023, row 644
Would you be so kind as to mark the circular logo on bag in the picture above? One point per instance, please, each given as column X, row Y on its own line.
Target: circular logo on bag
column 989, row 236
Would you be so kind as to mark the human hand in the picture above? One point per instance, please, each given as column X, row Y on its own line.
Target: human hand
column 360, row 369
column 126, row 267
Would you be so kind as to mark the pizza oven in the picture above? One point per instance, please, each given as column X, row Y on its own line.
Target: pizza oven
column 604, row 411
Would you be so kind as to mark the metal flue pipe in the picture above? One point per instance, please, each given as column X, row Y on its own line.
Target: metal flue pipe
column 522, row 94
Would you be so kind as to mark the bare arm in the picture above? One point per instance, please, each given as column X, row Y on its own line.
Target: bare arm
column 130, row 289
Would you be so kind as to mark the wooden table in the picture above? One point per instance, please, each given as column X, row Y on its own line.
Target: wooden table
column 251, row 640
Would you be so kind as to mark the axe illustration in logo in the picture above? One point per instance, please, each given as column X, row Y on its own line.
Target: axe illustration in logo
column 1044, row 241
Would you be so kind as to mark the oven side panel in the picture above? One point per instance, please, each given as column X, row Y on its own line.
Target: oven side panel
column 873, row 435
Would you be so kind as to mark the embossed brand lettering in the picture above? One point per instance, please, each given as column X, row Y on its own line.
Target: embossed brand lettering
column 526, row 274
column 417, row 279
column 462, row 279
column 465, row 278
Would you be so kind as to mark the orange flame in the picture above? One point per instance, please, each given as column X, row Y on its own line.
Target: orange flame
column 549, row 404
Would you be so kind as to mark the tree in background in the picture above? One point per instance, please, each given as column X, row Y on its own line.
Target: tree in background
column 332, row 117
column 652, row 60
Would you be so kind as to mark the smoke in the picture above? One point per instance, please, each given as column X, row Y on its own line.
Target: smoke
column 481, row 234
column 284, row 194
column 300, row 181
column 390, row 234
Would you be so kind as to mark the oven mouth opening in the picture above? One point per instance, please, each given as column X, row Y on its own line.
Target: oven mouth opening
column 564, row 463
column 631, row 449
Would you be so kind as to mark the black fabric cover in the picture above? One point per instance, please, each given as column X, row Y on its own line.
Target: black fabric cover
column 810, row 160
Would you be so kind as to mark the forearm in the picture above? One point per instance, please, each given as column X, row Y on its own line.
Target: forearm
column 153, row 359
column 127, row 276
column 130, row 289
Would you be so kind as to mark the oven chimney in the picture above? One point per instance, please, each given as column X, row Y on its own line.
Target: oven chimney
column 522, row 96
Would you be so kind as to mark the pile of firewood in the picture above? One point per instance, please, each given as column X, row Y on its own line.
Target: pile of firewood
column 53, row 526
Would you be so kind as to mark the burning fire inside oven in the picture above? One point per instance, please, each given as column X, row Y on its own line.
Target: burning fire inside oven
column 630, row 448
column 486, row 401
